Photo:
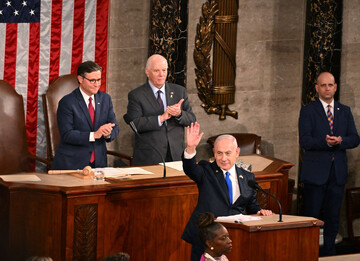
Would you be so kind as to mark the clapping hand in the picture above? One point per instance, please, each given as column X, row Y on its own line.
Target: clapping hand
column 175, row 109
column 193, row 137
column 104, row 130
column 333, row 140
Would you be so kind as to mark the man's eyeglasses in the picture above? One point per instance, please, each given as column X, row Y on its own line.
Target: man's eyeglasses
column 93, row 81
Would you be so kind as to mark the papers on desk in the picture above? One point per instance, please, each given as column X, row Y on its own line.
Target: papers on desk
column 118, row 172
column 19, row 178
column 237, row 218
column 174, row 164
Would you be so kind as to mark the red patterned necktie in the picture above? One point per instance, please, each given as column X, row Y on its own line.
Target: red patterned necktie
column 330, row 119
column 92, row 116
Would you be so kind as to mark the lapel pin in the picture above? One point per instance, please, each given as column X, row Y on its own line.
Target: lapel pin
column 338, row 109
column 171, row 94
column 241, row 176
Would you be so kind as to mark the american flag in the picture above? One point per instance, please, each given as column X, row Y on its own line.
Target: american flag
column 42, row 39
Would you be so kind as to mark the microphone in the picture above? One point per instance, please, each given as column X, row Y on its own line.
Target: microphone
column 253, row 184
column 133, row 127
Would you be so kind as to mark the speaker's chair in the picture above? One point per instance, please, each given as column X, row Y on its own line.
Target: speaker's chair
column 58, row 89
column 14, row 154
column 248, row 143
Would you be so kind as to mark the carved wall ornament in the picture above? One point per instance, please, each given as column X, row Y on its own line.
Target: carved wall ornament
column 216, row 29
column 322, row 44
column 168, row 36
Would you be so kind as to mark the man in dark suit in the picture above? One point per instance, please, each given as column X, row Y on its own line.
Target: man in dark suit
column 326, row 130
column 86, row 121
column 160, row 111
column 223, row 187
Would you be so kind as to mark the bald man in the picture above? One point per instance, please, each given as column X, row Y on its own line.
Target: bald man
column 326, row 130
column 160, row 111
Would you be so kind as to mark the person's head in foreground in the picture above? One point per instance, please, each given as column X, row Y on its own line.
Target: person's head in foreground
column 214, row 237
column 117, row 257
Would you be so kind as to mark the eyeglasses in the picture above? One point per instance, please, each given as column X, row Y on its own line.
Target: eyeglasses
column 93, row 81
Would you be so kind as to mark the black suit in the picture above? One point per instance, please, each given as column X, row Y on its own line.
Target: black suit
column 144, row 110
column 214, row 196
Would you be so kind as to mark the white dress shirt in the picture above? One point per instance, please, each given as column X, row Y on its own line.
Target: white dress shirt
column 86, row 99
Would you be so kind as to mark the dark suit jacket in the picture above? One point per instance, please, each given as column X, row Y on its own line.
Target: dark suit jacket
column 214, row 196
column 313, row 127
column 143, row 109
column 74, row 150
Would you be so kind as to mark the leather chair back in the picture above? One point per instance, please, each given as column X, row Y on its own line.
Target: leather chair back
column 58, row 88
column 353, row 211
column 248, row 143
column 14, row 155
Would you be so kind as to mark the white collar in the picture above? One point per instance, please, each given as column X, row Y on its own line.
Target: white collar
column 232, row 171
column 86, row 97
column 325, row 104
column 155, row 90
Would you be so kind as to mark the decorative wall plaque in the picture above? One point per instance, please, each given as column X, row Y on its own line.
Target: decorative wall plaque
column 217, row 29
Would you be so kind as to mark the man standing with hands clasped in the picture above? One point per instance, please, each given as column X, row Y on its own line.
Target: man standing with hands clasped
column 160, row 111
column 86, row 121
column 223, row 187
column 326, row 130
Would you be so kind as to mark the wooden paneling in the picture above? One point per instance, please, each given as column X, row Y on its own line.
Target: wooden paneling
column 296, row 238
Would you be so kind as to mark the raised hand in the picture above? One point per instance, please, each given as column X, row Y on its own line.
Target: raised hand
column 193, row 137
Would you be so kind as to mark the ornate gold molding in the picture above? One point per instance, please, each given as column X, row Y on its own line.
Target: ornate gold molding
column 216, row 91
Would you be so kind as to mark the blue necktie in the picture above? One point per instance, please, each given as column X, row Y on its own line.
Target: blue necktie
column 229, row 185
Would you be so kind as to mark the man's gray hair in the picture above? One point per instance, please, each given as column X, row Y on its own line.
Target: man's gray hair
column 226, row 137
column 149, row 61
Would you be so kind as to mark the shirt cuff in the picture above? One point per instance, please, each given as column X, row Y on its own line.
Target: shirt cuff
column 159, row 122
column 91, row 137
column 188, row 155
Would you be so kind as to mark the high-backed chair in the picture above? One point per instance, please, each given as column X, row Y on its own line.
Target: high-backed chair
column 14, row 154
column 353, row 211
column 59, row 88
column 248, row 143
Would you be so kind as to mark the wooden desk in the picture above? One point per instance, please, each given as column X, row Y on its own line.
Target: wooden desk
column 72, row 219
column 272, row 175
column 296, row 238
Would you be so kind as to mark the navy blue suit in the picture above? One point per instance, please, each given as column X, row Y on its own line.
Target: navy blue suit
column 324, row 168
column 74, row 150
column 214, row 197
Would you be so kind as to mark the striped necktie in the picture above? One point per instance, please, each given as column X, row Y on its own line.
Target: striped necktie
column 160, row 101
column 330, row 118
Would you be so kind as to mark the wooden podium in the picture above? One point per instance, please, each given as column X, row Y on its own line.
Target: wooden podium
column 68, row 218
column 296, row 238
